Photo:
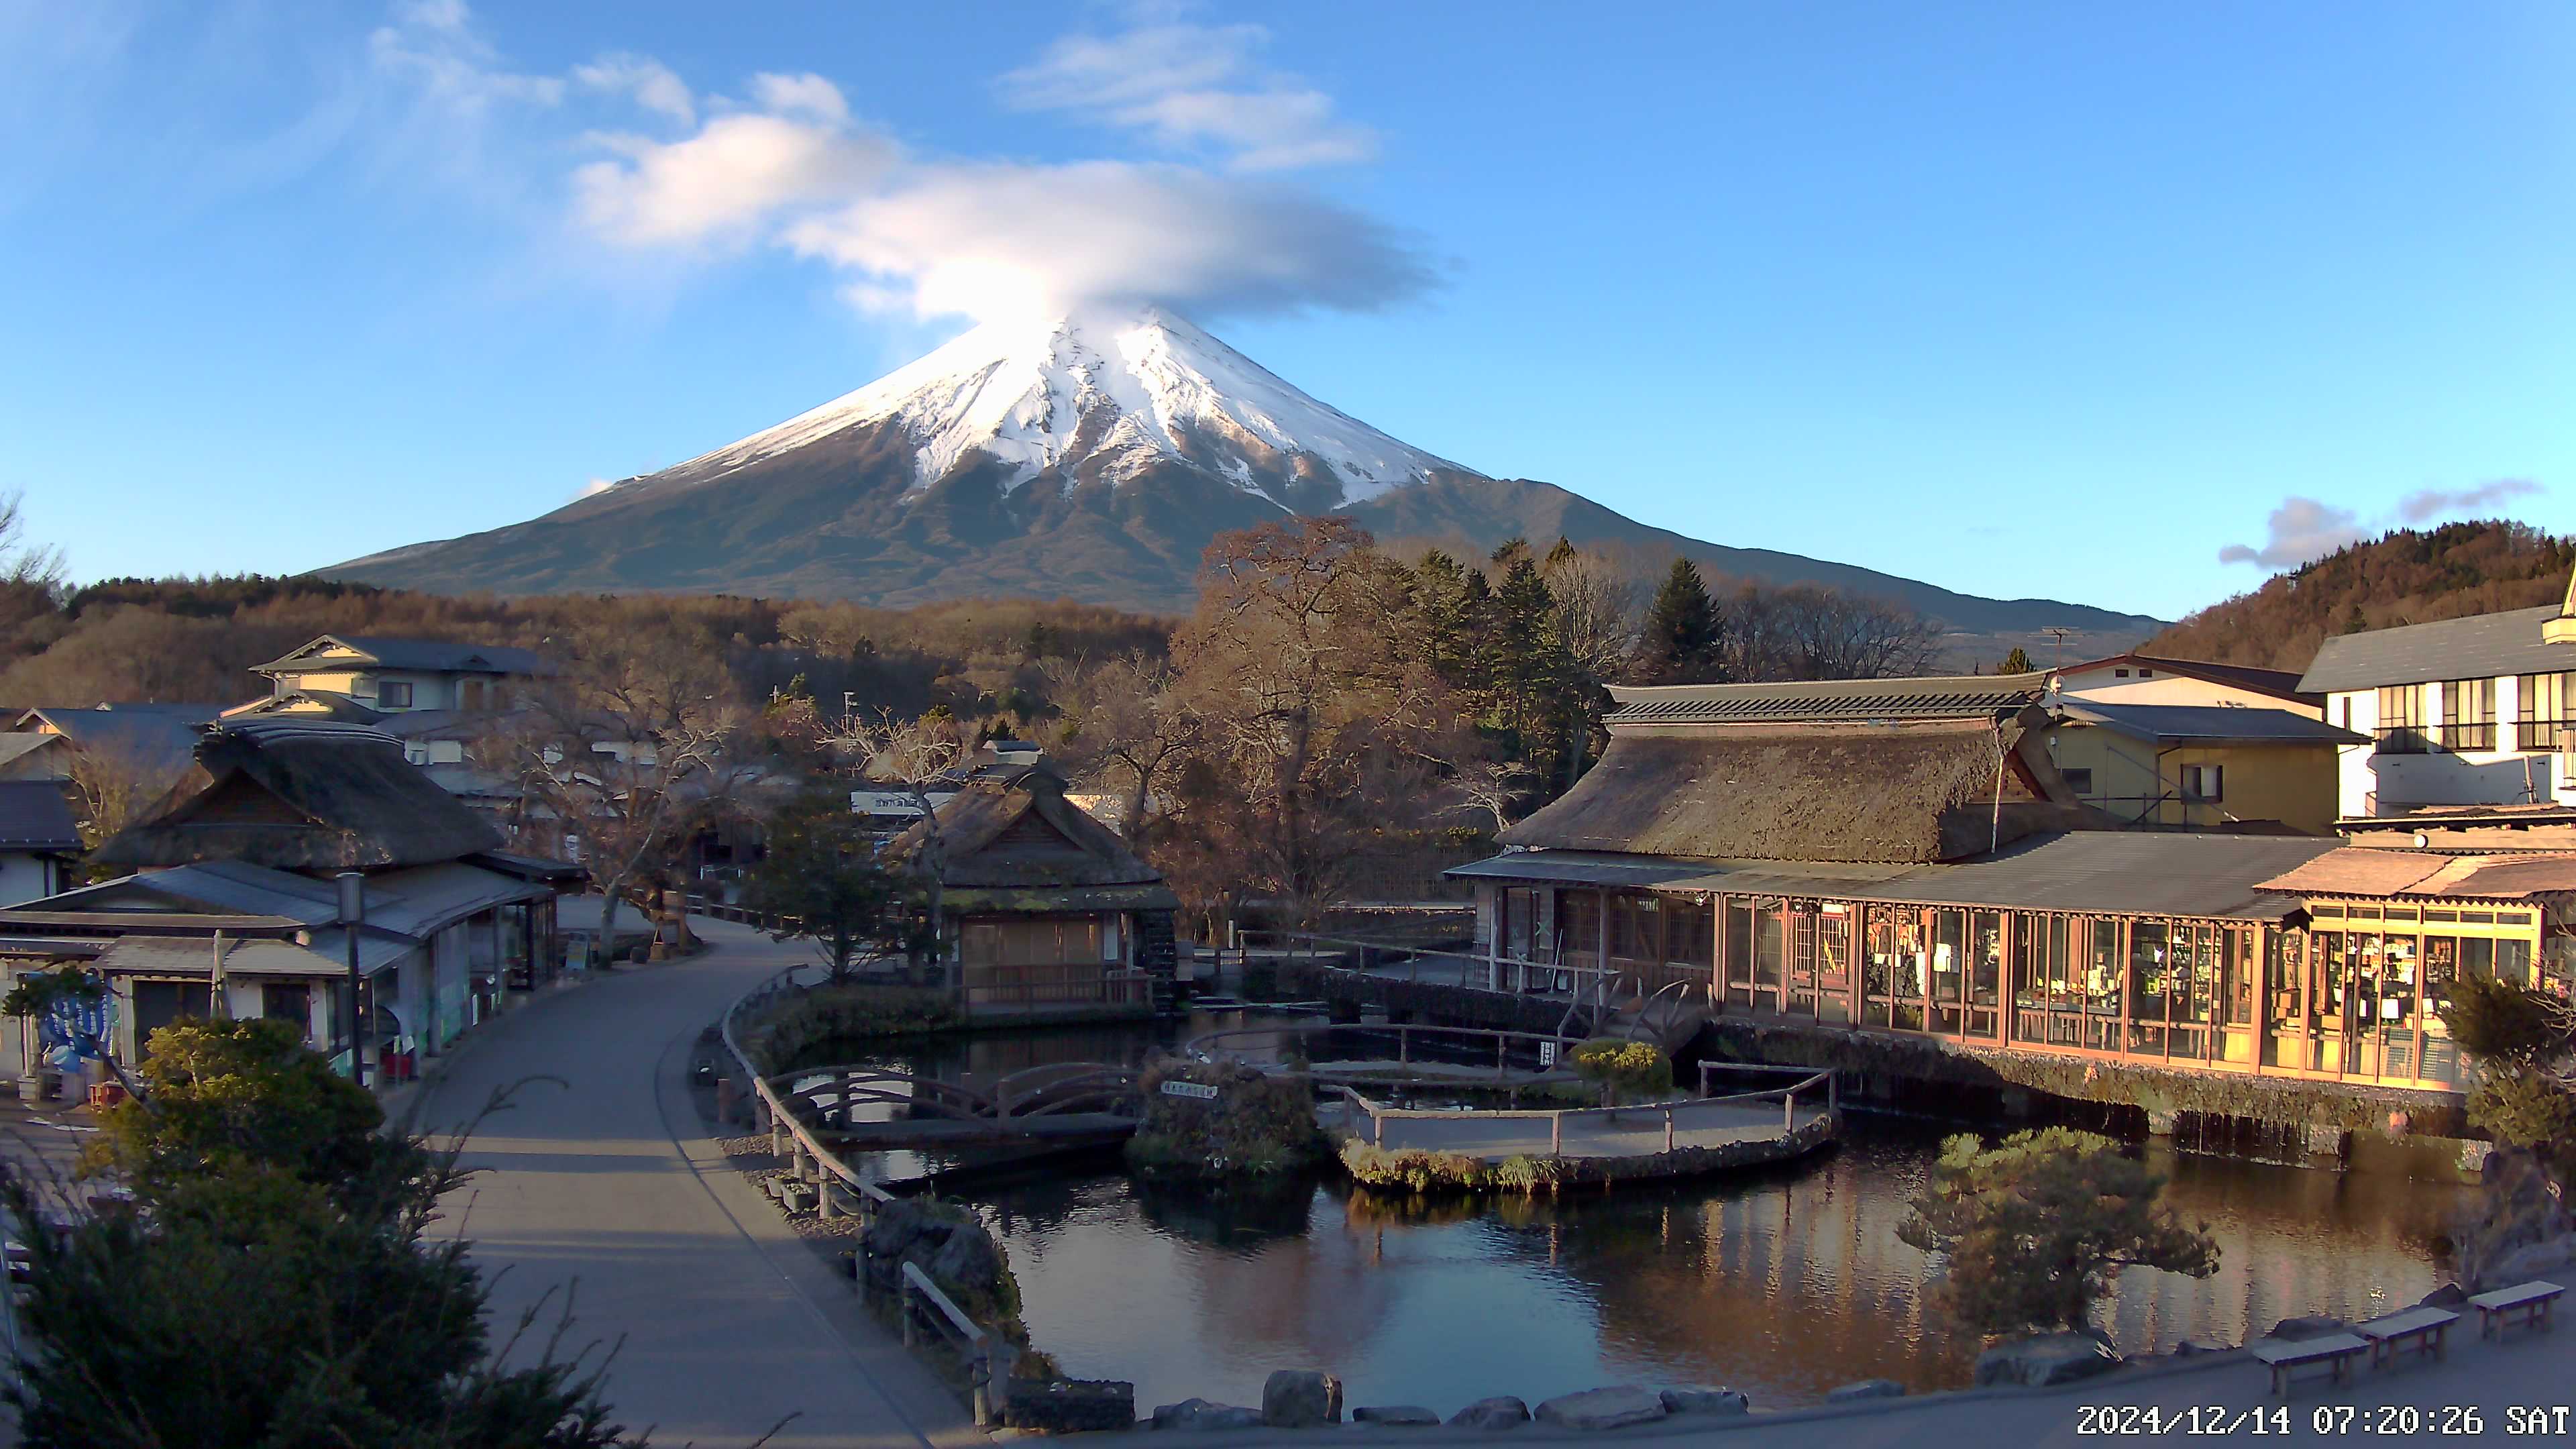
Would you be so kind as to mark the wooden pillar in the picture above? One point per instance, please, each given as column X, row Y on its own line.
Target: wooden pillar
column 1601, row 935
column 2007, row 936
column 1717, row 947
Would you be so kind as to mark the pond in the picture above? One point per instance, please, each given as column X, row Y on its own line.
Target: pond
column 1783, row 1283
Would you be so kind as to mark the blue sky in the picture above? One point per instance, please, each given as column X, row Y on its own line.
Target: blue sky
column 2020, row 299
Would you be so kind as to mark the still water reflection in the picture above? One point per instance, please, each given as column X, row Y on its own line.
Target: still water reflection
column 1783, row 1285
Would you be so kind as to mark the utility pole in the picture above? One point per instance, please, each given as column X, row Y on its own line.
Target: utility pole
column 2057, row 656
column 353, row 914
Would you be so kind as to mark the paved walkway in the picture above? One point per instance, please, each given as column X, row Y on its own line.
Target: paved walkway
column 605, row 1180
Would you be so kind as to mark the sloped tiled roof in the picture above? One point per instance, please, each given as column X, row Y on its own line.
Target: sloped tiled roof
column 1940, row 697
column 2481, row 646
column 444, row 656
column 2215, row 723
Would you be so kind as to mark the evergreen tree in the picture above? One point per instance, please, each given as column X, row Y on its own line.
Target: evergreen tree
column 1682, row 631
column 2017, row 662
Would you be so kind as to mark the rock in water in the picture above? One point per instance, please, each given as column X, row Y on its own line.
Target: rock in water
column 1700, row 1399
column 1866, row 1389
column 2047, row 1358
column 1070, row 1406
column 1504, row 1412
column 1396, row 1416
column 969, row 1260
column 1301, row 1399
column 1196, row 1415
column 1611, row 1408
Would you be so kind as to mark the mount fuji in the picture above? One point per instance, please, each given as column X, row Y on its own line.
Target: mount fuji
column 1089, row 457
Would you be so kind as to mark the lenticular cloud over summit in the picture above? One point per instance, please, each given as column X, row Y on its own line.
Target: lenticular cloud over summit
column 1011, row 241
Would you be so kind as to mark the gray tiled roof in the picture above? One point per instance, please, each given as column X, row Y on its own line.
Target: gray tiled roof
column 34, row 816
column 2481, row 646
column 435, row 655
column 2114, row 872
column 2214, row 722
column 1950, row 697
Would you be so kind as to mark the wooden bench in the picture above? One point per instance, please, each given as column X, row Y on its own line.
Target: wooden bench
column 2531, row 1300
column 2281, row 1355
column 2426, row 1329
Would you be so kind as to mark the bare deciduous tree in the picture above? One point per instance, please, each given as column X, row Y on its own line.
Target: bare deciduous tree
column 913, row 756
column 628, row 753
column 110, row 785
column 1597, row 611
column 1127, row 728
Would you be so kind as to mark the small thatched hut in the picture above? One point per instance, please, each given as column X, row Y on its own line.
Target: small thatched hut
column 1043, row 909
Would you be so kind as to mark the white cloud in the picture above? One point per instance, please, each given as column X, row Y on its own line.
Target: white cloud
column 649, row 82
column 1000, row 239
column 1192, row 86
column 595, row 486
column 725, row 182
column 808, row 95
column 2303, row 530
column 790, row 166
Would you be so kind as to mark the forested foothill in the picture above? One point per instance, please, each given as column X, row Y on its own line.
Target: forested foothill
column 1333, row 714
column 2405, row 576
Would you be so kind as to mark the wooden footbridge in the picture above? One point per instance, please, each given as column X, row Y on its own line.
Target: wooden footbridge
column 864, row 1106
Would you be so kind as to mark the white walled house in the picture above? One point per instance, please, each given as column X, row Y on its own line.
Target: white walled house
column 38, row 840
column 2134, row 678
column 2472, row 724
column 397, row 676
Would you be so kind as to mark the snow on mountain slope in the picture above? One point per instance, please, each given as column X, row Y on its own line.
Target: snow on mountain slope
column 1124, row 390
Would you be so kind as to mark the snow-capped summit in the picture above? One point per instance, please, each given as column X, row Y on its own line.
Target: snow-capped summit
column 1103, row 395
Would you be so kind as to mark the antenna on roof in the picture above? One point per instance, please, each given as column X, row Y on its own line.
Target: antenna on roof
column 2057, row 660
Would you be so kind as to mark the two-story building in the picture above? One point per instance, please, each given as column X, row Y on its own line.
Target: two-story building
column 2465, row 730
column 2134, row 678
column 2182, row 744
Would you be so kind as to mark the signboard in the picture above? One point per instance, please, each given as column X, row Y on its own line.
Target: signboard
column 1189, row 1089
column 1546, row 1054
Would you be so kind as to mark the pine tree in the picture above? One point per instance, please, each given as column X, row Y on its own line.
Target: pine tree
column 2017, row 662
column 1682, row 631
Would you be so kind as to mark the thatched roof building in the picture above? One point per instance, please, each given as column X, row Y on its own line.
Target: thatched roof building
column 1010, row 841
column 1909, row 771
column 302, row 795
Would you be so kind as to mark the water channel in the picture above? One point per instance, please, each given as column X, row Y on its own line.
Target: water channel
column 1783, row 1283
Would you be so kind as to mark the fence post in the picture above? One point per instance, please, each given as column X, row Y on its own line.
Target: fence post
column 1668, row 1129
column 1833, row 1092
column 903, row 1310
column 1789, row 1110
column 1556, row 1134
column 981, row 1373
column 1403, row 1045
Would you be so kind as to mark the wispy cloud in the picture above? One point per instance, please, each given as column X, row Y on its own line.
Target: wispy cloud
column 650, row 83
column 1192, row 88
column 2302, row 530
column 2429, row 503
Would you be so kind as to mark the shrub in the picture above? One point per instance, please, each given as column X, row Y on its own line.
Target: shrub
column 1259, row 1125
column 1413, row 1168
column 1632, row 1069
column 2502, row 1021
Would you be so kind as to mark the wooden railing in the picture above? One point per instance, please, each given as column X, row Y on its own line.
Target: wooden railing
column 988, row 1354
column 1056, row 984
column 1674, row 1114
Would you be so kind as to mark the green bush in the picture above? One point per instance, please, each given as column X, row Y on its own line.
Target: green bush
column 1629, row 1069
column 1258, row 1126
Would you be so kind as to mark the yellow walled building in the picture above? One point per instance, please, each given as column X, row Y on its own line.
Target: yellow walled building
column 2201, row 767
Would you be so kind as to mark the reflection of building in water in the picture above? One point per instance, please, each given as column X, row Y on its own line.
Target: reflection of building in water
column 1800, row 1280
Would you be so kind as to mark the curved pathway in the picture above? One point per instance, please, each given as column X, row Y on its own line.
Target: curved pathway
column 606, row 1181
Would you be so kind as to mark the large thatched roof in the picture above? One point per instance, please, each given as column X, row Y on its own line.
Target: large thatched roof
column 302, row 795
column 1905, row 791
column 1015, row 831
